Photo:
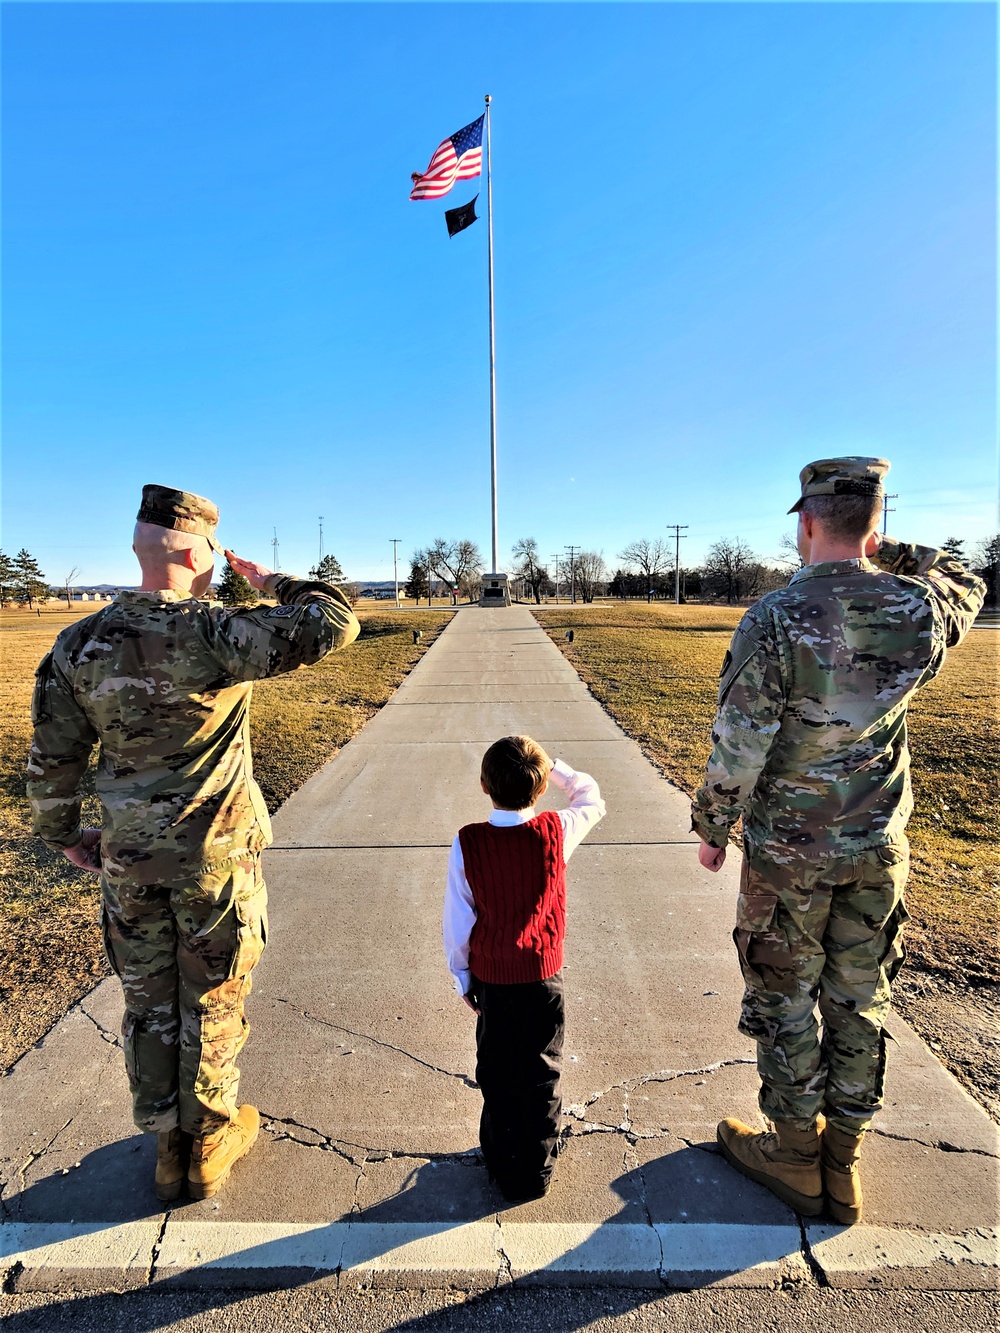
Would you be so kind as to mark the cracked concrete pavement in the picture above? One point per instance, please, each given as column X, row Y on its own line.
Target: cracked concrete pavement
column 361, row 1057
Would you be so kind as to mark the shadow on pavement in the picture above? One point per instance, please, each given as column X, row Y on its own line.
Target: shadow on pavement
column 423, row 1194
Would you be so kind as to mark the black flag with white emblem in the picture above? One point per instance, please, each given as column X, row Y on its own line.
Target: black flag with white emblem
column 460, row 218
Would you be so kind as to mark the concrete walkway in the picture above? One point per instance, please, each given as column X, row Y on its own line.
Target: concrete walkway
column 361, row 1055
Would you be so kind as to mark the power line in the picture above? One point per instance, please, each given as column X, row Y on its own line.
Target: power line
column 886, row 511
column 321, row 538
column 274, row 552
column 555, row 563
column 677, row 529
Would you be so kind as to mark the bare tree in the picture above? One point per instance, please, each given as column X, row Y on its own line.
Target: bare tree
column 788, row 553
column 456, row 562
column 469, row 583
column 590, row 571
column 650, row 557
column 66, row 582
column 528, row 567
column 734, row 571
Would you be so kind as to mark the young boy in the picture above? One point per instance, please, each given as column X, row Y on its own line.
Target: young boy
column 504, row 925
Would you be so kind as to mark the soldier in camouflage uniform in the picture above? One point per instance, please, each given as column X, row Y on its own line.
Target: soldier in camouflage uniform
column 161, row 681
column 809, row 746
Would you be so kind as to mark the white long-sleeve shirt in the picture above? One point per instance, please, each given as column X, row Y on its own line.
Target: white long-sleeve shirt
column 584, row 811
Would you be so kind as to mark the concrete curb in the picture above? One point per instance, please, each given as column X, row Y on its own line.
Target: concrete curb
column 52, row 1257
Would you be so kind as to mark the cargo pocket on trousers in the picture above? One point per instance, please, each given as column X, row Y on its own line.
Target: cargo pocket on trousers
column 879, row 1088
column 224, row 1031
column 251, row 935
column 755, row 913
column 894, row 853
column 895, row 953
column 130, row 1047
column 106, row 940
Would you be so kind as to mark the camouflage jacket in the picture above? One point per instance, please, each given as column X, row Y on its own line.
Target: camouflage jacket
column 161, row 682
column 809, row 742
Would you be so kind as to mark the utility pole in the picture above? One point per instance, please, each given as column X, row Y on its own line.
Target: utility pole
column 886, row 511
column 321, row 539
column 572, row 553
column 555, row 565
column 274, row 549
column 395, row 569
column 677, row 529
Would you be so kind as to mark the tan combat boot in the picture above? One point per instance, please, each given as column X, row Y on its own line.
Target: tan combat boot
column 173, row 1151
column 786, row 1161
column 214, row 1155
column 841, row 1179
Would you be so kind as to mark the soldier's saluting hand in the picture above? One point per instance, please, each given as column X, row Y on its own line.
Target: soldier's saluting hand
column 809, row 746
column 160, row 681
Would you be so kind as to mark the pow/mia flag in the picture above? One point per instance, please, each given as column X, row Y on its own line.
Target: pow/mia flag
column 460, row 218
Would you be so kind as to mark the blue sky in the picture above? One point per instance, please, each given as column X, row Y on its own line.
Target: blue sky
column 729, row 239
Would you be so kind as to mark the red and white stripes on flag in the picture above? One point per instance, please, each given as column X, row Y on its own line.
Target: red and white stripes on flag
column 458, row 158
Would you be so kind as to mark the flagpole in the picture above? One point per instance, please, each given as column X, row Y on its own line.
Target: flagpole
column 493, row 370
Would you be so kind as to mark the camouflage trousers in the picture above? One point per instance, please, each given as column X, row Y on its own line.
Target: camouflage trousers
column 184, row 953
column 829, row 933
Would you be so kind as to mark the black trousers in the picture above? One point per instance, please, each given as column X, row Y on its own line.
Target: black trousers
column 519, row 1044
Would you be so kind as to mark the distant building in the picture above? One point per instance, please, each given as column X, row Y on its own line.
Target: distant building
column 79, row 594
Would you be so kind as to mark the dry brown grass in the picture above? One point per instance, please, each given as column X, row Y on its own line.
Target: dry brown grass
column 655, row 669
column 49, row 948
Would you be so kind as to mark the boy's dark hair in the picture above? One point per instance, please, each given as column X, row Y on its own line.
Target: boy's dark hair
column 849, row 517
column 515, row 770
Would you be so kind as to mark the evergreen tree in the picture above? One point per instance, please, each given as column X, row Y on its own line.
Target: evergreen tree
column 30, row 584
column 328, row 570
column 955, row 546
column 986, row 562
column 416, row 584
column 7, row 579
column 235, row 590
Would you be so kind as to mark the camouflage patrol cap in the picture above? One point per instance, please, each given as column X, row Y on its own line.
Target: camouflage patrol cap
column 181, row 510
column 842, row 476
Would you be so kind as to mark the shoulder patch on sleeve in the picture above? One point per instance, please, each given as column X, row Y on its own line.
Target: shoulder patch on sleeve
column 276, row 612
column 749, row 636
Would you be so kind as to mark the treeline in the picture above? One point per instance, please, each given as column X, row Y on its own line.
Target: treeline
column 732, row 571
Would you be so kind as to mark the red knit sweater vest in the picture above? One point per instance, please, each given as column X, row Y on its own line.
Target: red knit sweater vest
column 518, row 880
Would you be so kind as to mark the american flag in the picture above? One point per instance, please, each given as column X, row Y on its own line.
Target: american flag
column 459, row 158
